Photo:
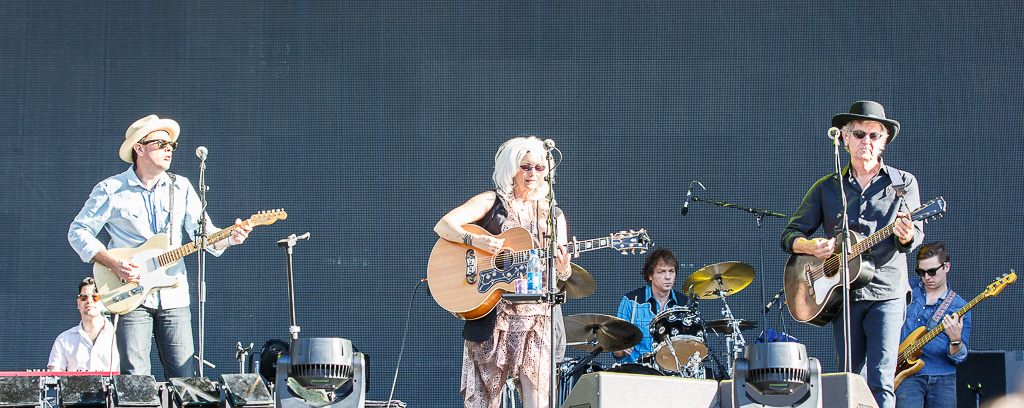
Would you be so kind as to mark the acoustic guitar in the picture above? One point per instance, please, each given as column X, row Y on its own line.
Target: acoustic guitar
column 468, row 282
column 154, row 257
column 813, row 285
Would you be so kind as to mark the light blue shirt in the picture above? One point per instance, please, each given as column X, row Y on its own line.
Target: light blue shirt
column 935, row 354
column 640, row 307
column 131, row 214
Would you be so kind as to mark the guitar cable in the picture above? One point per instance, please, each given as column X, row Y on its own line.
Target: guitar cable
column 405, row 335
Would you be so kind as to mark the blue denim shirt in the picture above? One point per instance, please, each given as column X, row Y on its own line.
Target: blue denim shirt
column 642, row 300
column 869, row 210
column 935, row 354
column 131, row 214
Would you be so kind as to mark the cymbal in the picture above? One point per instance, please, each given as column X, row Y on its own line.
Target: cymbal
column 612, row 333
column 725, row 277
column 579, row 285
column 722, row 326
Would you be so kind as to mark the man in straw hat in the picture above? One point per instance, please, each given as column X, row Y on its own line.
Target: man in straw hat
column 878, row 195
column 133, row 206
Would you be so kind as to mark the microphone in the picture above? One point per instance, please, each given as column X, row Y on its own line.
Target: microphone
column 833, row 133
column 689, row 194
column 549, row 144
column 774, row 298
column 201, row 152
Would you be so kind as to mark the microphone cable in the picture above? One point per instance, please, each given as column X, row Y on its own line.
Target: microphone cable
column 405, row 334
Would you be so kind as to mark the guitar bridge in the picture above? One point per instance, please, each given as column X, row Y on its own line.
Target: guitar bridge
column 808, row 280
column 135, row 291
column 471, row 266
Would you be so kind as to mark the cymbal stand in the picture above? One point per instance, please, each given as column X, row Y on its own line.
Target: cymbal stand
column 734, row 342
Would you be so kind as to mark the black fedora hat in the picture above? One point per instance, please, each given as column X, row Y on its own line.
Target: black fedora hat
column 868, row 110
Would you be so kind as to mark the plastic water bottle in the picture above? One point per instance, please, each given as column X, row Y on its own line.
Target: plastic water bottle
column 534, row 274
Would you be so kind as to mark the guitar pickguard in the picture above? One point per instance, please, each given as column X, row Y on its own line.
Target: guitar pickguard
column 495, row 276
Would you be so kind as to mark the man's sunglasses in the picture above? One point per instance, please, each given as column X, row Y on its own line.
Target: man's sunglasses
column 538, row 167
column 160, row 144
column 930, row 272
column 83, row 298
column 860, row 134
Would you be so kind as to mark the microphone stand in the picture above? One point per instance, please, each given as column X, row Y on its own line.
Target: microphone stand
column 759, row 215
column 287, row 244
column 844, row 266
column 552, row 290
column 201, row 236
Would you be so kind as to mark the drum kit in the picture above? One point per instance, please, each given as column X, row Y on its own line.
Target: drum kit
column 680, row 335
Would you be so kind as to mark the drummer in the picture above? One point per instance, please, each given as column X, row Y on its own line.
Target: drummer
column 641, row 305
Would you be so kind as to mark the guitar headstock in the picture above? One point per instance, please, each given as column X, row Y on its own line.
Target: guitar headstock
column 1001, row 283
column 267, row 217
column 929, row 211
column 630, row 242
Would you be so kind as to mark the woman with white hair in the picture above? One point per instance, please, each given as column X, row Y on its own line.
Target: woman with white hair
column 513, row 339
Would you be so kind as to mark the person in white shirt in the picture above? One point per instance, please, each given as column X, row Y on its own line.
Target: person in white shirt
column 90, row 345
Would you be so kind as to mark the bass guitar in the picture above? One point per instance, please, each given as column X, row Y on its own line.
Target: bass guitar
column 907, row 364
column 813, row 285
column 468, row 282
column 154, row 257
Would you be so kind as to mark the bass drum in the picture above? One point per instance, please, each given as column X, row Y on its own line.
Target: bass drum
column 683, row 328
column 634, row 368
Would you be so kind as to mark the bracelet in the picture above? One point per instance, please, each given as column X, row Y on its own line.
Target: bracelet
column 955, row 343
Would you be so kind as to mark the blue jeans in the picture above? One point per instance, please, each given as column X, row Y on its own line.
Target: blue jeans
column 172, row 329
column 927, row 391
column 874, row 344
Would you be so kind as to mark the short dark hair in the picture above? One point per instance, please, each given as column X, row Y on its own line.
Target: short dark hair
column 654, row 257
column 933, row 249
column 86, row 282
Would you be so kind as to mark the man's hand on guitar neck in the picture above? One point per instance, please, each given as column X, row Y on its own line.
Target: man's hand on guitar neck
column 238, row 235
column 819, row 247
column 125, row 269
column 903, row 228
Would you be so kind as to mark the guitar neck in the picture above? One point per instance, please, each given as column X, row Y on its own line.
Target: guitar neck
column 920, row 343
column 572, row 248
column 872, row 240
column 176, row 254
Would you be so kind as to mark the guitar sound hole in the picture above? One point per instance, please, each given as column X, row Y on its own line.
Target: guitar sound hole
column 503, row 259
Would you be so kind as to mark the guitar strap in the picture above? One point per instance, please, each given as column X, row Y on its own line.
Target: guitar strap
column 896, row 178
column 170, row 218
column 941, row 311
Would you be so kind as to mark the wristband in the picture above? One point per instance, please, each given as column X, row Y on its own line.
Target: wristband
column 955, row 343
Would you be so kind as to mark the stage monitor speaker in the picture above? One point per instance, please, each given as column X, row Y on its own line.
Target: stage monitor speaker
column 20, row 392
column 83, row 391
column 616, row 390
column 135, row 391
column 840, row 390
column 195, row 392
column 998, row 372
column 245, row 390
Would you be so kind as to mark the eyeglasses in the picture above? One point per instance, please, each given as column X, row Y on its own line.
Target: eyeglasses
column 83, row 298
column 160, row 144
column 930, row 272
column 860, row 134
column 537, row 167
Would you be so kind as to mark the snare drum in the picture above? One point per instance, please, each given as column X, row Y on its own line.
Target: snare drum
column 681, row 327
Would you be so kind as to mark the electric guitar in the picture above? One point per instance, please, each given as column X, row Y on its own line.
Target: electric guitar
column 468, row 282
column 814, row 286
column 154, row 257
column 907, row 364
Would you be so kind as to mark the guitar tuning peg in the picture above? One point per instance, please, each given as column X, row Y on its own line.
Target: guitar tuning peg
column 624, row 252
column 643, row 251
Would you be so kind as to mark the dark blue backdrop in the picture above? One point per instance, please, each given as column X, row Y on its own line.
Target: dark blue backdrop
column 367, row 121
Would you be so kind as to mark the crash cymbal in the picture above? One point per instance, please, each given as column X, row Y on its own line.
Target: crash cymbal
column 722, row 326
column 725, row 277
column 579, row 285
column 611, row 333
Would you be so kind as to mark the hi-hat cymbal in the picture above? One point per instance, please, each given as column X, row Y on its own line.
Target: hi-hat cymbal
column 611, row 333
column 579, row 285
column 720, row 279
column 723, row 326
